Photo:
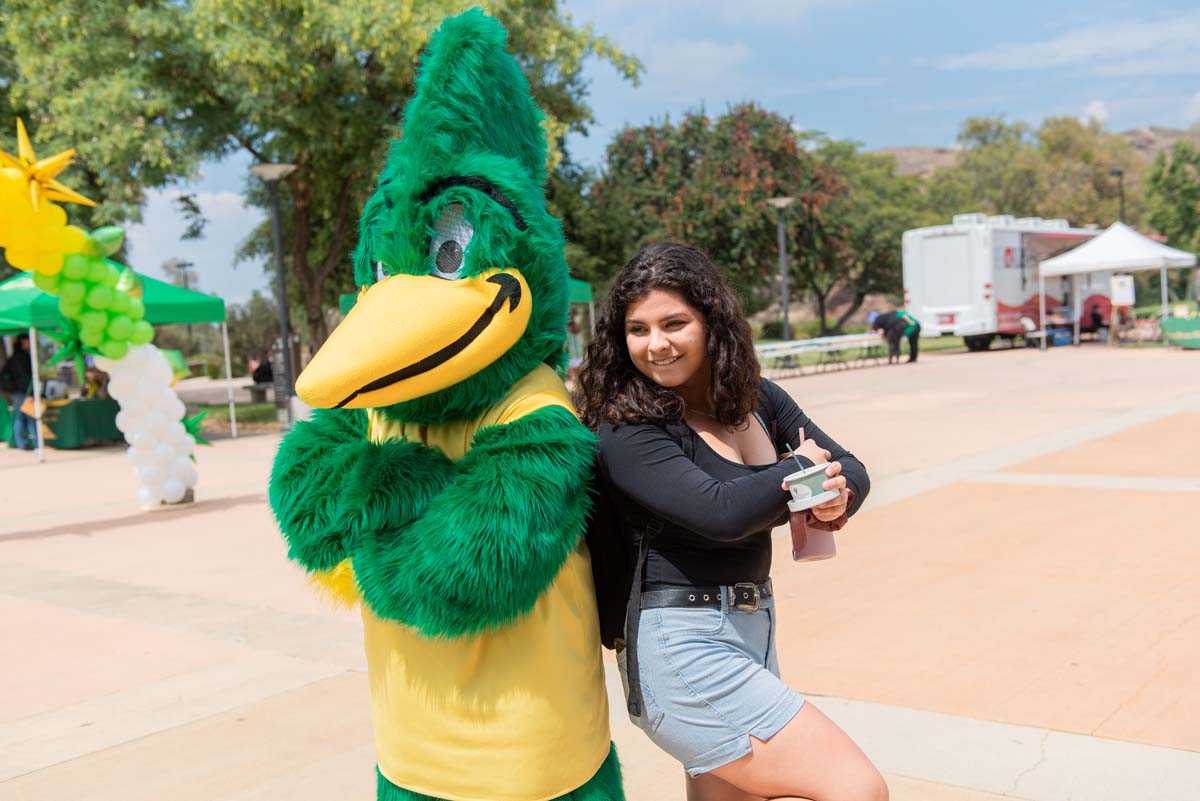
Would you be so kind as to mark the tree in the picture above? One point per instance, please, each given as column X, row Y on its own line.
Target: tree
column 253, row 326
column 1173, row 200
column 857, row 243
column 1173, row 196
column 1076, row 163
column 705, row 182
column 998, row 172
column 148, row 90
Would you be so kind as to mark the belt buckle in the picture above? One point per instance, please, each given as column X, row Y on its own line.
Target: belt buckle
column 751, row 588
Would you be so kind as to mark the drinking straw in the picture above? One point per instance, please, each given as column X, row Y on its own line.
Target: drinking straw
column 792, row 454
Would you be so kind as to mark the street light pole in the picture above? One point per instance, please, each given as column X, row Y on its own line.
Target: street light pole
column 271, row 175
column 781, row 203
column 1120, row 174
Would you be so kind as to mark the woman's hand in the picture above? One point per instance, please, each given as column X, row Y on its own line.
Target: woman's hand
column 813, row 451
column 832, row 510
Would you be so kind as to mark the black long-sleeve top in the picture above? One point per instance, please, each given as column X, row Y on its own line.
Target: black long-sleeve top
column 717, row 514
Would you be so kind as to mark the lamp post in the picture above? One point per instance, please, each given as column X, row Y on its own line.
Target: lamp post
column 182, row 270
column 271, row 175
column 781, row 203
column 1120, row 176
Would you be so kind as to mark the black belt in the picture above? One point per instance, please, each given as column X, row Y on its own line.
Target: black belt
column 744, row 596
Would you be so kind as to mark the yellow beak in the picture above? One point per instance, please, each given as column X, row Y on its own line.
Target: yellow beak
column 411, row 335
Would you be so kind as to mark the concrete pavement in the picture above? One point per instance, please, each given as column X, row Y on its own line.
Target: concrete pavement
column 1013, row 614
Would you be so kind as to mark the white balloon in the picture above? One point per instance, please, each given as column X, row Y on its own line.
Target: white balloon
column 148, row 496
column 173, row 491
column 151, row 474
column 185, row 474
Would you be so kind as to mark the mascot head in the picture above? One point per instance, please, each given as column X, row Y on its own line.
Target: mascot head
column 461, row 269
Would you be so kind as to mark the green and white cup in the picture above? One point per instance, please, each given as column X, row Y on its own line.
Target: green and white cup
column 807, row 488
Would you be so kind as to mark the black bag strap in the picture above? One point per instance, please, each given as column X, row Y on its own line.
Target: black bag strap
column 682, row 434
column 633, row 615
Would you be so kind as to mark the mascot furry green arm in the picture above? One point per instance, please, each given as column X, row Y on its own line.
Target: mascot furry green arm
column 443, row 478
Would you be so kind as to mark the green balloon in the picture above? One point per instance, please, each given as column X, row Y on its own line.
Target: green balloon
column 47, row 283
column 120, row 302
column 121, row 328
column 97, row 271
column 69, row 308
column 99, row 297
column 93, row 321
column 71, row 291
column 76, row 266
column 143, row 332
column 91, row 338
column 111, row 276
column 114, row 350
column 136, row 310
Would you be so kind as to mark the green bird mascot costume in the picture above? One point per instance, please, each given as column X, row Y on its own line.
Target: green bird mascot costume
column 443, row 477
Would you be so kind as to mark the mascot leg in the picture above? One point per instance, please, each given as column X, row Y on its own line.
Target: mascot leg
column 604, row 786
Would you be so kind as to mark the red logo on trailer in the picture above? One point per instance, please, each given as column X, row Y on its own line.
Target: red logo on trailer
column 1008, row 258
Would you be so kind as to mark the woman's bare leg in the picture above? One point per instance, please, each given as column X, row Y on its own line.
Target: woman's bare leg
column 809, row 758
column 707, row 787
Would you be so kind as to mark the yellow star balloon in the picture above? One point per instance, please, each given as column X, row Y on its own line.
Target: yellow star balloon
column 40, row 175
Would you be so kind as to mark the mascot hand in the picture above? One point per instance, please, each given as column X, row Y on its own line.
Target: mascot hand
column 491, row 542
column 387, row 486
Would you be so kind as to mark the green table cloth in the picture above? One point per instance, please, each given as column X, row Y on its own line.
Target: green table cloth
column 79, row 423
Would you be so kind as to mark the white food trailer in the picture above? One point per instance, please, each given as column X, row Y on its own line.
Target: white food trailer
column 978, row 277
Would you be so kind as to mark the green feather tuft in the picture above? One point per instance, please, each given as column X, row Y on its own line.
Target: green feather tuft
column 489, row 544
column 472, row 115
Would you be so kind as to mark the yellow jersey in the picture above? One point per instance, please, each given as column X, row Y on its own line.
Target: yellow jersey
column 515, row 714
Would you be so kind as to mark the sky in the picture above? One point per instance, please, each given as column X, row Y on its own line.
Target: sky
column 880, row 72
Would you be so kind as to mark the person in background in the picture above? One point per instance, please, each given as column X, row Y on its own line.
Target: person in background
column 95, row 383
column 18, row 381
column 897, row 324
column 263, row 373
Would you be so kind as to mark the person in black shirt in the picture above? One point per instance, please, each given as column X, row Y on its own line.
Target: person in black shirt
column 18, row 382
column 690, row 443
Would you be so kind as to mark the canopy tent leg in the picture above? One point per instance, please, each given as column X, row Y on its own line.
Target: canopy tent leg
column 1078, row 308
column 229, row 380
column 1162, row 284
column 1042, row 307
column 37, row 394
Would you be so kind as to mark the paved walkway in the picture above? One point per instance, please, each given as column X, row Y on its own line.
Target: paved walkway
column 1013, row 614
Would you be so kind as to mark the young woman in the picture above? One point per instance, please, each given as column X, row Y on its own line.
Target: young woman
column 690, row 443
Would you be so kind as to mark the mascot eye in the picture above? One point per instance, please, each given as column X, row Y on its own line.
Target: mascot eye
column 449, row 247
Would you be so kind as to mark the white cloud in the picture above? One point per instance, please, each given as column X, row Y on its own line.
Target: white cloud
column 744, row 12
column 156, row 239
column 688, row 71
column 1132, row 47
column 1095, row 111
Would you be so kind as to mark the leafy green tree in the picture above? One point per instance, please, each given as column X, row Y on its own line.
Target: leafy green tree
column 1173, row 201
column 1173, row 196
column 1077, row 184
column 253, row 326
column 857, row 244
column 147, row 90
column 705, row 182
column 998, row 172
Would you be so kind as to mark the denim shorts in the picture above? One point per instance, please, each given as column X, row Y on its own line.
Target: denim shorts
column 710, row 682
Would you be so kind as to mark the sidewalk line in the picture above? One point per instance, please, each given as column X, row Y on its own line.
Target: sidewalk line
column 1007, row 759
column 314, row 638
column 58, row 736
column 1083, row 481
column 915, row 482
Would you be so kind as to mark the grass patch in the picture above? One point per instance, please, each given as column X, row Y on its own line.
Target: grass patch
column 246, row 412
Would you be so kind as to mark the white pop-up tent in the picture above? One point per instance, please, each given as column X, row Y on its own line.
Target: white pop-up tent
column 1119, row 249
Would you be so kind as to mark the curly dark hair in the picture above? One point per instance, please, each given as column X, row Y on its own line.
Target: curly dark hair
column 612, row 390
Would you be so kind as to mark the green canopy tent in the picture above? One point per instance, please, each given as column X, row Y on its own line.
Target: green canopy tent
column 25, row 308
column 578, row 292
